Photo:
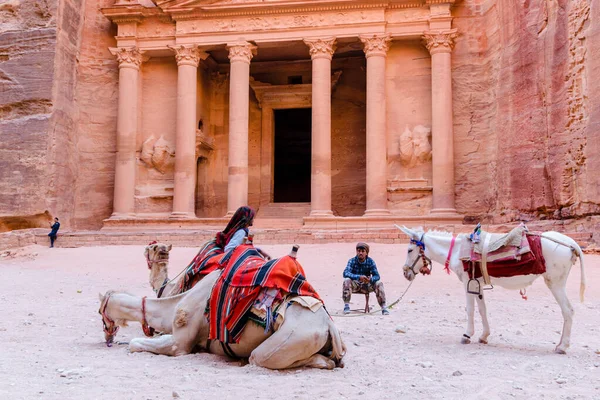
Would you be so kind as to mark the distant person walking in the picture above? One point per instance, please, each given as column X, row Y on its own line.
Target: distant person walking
column 54, row 226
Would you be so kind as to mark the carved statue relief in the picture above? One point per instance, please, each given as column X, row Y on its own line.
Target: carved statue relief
column 415, row 146
column 158, row 154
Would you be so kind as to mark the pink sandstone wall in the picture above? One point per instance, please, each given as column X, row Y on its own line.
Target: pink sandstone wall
column 95, row 132
column 154, row 185
column 526, row 114
column 38, row 46
column 408, row 91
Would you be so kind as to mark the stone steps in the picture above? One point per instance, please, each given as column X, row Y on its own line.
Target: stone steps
column 283, row 210
column 194, row 238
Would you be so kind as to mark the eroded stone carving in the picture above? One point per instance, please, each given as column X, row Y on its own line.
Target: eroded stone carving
column 440, row 42
column 158, row 154
column 241, row 52
column 188, row 55
column 376, row 45
column 243, row 24
column 415, row 146
column 128, row 57
column 321, row 48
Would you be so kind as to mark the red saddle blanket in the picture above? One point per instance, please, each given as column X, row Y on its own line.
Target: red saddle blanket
column 245, row 274
column 530, row 263
column 206, row 261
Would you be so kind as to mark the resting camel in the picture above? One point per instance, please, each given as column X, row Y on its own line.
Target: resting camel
column 304, row 339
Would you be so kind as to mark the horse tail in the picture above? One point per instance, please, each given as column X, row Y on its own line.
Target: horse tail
column 338, row 347
column 579, row 253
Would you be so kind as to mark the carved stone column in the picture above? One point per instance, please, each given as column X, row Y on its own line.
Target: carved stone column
column 376, row 48
column 240, row 55
column 321, row 52
column 440, row 45
column 187, row 58
column 130, row 59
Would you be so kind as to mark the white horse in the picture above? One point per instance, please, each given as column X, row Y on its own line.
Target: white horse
column 435, row 245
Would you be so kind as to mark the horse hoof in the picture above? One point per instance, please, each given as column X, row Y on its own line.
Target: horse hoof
column 483, row 341
column 464, row 340
column 560, row 351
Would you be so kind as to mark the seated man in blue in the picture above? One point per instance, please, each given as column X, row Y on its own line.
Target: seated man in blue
column 361, row 275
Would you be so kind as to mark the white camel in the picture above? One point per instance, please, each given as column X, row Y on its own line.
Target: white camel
column 304, row 339
column 559, row 260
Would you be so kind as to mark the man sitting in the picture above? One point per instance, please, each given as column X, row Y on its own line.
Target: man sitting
column 361, row 276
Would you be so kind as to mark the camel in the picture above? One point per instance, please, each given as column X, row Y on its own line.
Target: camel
column 157, row 257
column 560, row 252
column 304, row 339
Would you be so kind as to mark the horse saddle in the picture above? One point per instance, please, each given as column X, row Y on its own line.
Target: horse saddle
column 485, row 247
column 497, row 246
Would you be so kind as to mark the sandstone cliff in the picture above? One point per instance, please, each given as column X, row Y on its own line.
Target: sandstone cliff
column 526, row 112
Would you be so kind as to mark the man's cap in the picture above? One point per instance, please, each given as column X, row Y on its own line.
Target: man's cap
column 362, row 245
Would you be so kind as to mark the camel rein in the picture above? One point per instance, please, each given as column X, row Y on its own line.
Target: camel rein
column 148, row 330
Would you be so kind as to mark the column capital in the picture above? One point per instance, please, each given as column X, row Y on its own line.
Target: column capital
column 375, row 45
column 128, row 57
column 321, row 48
column 440, row 42
column 188, row 55
column 241, row 52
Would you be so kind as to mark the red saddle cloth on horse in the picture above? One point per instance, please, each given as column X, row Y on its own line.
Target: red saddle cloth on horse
column 206, row 261
column 246, row 273
column 529, row 263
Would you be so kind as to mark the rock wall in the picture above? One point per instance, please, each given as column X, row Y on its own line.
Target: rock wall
column 94, row 134
column 38, row 44
column 526, row 114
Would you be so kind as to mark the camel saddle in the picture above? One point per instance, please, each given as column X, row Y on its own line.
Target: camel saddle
column 483, row 247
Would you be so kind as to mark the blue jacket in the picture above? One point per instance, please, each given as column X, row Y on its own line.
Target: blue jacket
column 355, row 269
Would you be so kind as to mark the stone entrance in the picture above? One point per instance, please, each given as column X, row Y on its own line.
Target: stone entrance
column 292, row 155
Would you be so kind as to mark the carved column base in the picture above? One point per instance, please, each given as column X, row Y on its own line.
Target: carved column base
column 119, row 215
column 376, row 212
column 182, row 215
column 321, row 213
column 447, row 211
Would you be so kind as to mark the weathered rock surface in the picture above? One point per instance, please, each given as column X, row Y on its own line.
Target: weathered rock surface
column 526, row 115
column 526, row 112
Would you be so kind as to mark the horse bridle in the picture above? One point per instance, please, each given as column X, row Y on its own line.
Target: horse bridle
column 427, row 265
column 111, row 329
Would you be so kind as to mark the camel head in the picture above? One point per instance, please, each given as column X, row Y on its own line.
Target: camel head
column 157, row 252
column 415, row 258
column 157, row 258
column 110, row 325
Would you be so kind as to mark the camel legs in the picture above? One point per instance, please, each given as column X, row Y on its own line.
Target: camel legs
column 314, row 361
column 560, row 294
column 296, row 343
column 159, row 345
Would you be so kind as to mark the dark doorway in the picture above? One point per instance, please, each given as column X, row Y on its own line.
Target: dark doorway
column 292, row 155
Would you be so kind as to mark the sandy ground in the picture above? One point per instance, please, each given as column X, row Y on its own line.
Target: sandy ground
column 52, row 340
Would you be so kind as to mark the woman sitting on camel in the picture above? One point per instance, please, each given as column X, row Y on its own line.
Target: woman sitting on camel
column 237, row 229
